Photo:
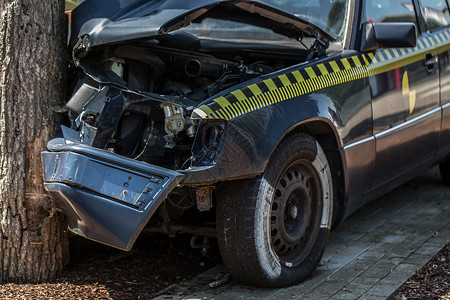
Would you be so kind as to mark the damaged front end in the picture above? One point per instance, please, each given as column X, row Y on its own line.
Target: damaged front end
column 133, row 131
column 107, row 198
column 116, row 162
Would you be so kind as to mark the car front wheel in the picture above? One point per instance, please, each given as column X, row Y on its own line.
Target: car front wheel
column 272, row 230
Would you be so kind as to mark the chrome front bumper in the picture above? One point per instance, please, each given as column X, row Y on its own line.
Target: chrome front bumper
column 106, row 197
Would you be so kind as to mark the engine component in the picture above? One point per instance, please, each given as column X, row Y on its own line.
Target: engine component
column 143, row 56
column 175, row 122
column 203, row 196
column 81, row 97
column 205, row 67
column 114, row 65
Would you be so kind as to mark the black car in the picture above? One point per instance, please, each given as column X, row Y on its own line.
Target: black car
column 262, row 123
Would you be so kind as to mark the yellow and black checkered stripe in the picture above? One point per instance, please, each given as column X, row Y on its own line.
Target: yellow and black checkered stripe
column 304, row 81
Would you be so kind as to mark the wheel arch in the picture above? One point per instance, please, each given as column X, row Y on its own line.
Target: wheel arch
column 324, row 132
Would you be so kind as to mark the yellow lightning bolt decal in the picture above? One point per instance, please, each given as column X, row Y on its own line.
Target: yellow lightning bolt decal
column 407, row 92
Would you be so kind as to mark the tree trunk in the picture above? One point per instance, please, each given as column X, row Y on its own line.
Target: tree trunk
column 33, row 236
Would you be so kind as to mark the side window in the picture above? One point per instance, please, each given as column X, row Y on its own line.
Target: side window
column 390, row 11
column 435, row 13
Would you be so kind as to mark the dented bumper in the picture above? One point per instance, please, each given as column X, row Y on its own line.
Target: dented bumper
column 106, row 197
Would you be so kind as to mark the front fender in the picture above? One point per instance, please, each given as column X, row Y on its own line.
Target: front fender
column 252, row 137
column 261, row 112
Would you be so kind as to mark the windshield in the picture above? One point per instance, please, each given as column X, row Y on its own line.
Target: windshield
column 328, row 15
column 224, row 30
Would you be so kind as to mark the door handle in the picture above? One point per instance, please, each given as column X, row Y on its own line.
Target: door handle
column 430, row 61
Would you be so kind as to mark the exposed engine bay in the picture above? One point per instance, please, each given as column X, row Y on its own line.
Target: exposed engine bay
column 160, row 85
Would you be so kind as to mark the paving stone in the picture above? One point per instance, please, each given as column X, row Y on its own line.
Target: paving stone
column 401, row 273
column 349, row 237
column 338, row 261
column 328, row 288
column 396, row 258
column 376, row 236
column 405, row 269
column 370, row 254
column 348, row 273
column 389, row 242
column 371, row 297
column 199, row 283
column 285, row 295
column 236, row 292
column 346, row 294
column 369, row 225
column 353, row 290
column 442, row 235
column 429, row 248
column 365, row 281
column 389, row 261
column 230, row 291
column 393, row 238
column 302, row 288
column 397, row 276
column 356, row 267
column 262, row 293
column 410, row 244
column 306, row 297
column 383, row 289
column 379, row 269
column 348, row 225
column 333, row 248
column 417, row 259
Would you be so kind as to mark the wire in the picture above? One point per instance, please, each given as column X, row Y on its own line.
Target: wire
column 146, row 143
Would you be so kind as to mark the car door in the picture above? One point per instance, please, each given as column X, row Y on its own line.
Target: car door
column 405, row 96
column 437, row 21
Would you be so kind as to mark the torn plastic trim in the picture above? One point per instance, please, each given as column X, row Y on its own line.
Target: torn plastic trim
column 106, row 197
column 209, row 143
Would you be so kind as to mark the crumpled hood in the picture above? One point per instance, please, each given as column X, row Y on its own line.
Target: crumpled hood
column 109, row 21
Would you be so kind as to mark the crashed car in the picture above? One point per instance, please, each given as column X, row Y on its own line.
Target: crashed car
column 262, row 123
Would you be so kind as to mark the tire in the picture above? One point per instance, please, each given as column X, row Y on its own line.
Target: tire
column 272, row 230
column 444, row 168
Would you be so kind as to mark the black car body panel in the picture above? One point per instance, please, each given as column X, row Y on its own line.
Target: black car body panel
column 259, row 126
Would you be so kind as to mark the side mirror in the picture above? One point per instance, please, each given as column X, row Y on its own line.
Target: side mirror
column 387, row 35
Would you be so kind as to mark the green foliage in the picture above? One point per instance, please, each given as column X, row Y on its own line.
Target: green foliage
column 71, row 4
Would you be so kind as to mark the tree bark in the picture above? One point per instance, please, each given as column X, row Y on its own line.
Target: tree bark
column 33, row 236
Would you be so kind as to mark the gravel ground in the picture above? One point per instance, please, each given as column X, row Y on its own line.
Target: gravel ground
column 100, row 272
column 158, row 263
column 430, row 282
